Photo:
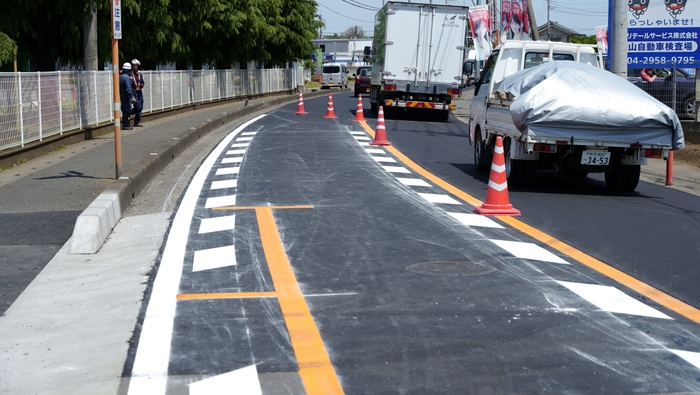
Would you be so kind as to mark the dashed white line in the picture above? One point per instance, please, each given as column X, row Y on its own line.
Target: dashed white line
column 396, row 169
column 220, row 201
column 214, row 258
column 383, row 159
column 217, row 224
column 528, row 251
column 224, row 184
column 235, row 159
column 413, row 182
column 375, row 151
column 475, row 220
column 612, row 300
column 239, row 145
column 227, row 170
column 236, row 152
column 438, row 198
column 692, row 358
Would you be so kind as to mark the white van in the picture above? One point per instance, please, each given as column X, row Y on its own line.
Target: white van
column 334, row 74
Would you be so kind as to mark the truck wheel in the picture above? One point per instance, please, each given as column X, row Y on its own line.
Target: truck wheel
column 632, row 177
column 624, row 178
column 516, row 176
column 480, row 156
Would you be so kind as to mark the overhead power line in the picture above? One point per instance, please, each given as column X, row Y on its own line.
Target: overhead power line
column 357, row 4
column 345, row 16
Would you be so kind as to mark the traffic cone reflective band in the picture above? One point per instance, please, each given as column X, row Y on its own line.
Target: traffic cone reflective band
column 360, row 112
column 380, row 133
column 300, row 105
column 497, row 192
column 329, row 110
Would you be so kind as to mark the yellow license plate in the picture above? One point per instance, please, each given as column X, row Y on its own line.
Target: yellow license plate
column 331, row 84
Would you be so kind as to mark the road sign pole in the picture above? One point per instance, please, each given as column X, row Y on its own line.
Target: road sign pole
column 116, row 35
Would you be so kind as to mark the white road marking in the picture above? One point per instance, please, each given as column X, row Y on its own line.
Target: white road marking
column 235, row 159
column 243, row 381
column 214, row 258
column 220, row 201
column 612, row 300
column 358, row 133
column 149, row 375
column 383, row 159
column 396, row 169
column 224, row 184
column 227, row 170
column 475, row 220
column 240, row 145
column 236, row 152
column 375, row 151
column 363, row 143
column 249, row 133
column 244, row 139
column 692, row 358
column 528, row 251
column 362, row 138
column 413, row 182
column 438, row 198
column 217, row 224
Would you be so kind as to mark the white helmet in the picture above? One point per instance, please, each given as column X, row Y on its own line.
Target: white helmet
column 136, row 62
column 126, row 66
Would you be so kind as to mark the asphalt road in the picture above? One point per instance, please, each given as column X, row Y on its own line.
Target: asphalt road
column 342, row 268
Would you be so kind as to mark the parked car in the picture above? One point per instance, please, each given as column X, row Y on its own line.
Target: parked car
column 662, row 89
column 334, row 74
column 363, row 79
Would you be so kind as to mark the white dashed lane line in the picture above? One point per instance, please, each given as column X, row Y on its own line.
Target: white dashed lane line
column 528, row 251
column 214, row 258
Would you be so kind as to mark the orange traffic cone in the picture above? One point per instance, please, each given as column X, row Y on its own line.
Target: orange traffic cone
column 497, row 192
column 380, row 135
column 360, row 112
column 300, row 105
column 329, row 110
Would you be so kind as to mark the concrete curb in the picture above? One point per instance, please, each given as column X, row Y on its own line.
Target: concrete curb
column 96, row 222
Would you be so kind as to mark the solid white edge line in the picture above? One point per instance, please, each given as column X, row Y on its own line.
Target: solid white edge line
column 149, row 375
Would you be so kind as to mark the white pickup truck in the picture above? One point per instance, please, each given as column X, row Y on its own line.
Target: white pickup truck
column 557, row 109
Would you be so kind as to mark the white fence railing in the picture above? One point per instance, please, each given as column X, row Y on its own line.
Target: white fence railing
column 37, row 105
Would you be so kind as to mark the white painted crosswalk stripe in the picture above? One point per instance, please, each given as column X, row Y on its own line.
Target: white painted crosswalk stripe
column 217, row 224
column 244, row 139
column 249, row 133
column 438, row 198
column 239, row 145
column 413, row 182
column 362, row 138
column 612, row 300
column 220, row 201
column 475, row 220
column 236, row 152
column 243, row 381
column 528, row 251
column 224, row 184
column 214, row 258
column 227, row 170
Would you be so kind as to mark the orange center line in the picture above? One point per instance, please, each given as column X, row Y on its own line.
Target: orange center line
column 227, row 295
column 257, row 207
column 315, row 368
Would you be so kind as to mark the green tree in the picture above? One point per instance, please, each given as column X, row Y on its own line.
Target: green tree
column 8, row 49
column 581, row 39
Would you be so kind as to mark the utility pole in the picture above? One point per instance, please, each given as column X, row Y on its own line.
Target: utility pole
column 617, row 52
column 533, row 22
column 90, row 40
column 116, row 36
column 549, row 24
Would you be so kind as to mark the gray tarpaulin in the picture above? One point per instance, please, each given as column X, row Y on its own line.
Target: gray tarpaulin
column 564, row 99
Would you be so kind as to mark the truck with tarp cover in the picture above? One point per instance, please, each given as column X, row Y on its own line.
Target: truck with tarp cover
column 556, row 108
column 417, row 57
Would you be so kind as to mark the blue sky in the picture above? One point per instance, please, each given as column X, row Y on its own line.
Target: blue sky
column 579, row 15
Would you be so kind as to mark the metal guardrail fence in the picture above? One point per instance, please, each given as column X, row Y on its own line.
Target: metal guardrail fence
column 37, row 105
